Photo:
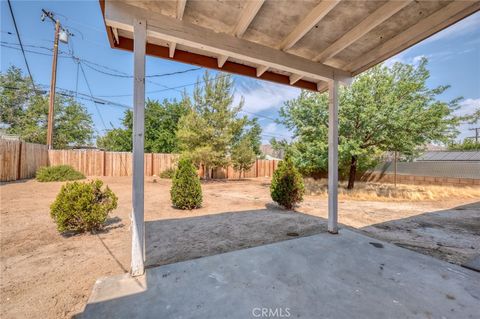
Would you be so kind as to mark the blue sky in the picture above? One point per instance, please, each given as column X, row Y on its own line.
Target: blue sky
column 454, row 56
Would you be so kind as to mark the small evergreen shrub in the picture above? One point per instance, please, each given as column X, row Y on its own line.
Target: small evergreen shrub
column 81, row 207
column 58, row 173
column 287, row 187
column 186, row 191
column 168, row 173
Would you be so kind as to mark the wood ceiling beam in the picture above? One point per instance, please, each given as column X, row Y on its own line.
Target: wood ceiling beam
column 180, row 11
column 424, row 28
column 246, row 17
column 368, row 24
column 317, row 14
column 120, row 15
column 306, row 25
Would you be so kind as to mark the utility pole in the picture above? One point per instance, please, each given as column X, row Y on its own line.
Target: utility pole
column 477, row 134
column 53, row 81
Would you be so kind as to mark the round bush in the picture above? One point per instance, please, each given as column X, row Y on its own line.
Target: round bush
column 186, row 191
column 81, row 207
column 287, row 187
column 58, row 173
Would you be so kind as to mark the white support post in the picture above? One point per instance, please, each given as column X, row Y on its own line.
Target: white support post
column 333, row 156
column 138, row 226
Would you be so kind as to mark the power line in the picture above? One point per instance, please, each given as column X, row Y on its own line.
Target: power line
column 21, row 44
column 91, row 94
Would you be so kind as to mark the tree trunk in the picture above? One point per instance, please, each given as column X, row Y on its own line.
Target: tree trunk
column 353, row 173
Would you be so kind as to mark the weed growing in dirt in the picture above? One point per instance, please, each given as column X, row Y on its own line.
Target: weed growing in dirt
column 81, row 207
column 186, row 191
column 388, row 192
column 168, row 173
column 58, row 173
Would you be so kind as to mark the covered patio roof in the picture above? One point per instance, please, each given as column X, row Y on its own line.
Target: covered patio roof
column 299, row 43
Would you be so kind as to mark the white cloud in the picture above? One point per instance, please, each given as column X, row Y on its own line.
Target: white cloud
column 468, row 106
column 277, row 131
column 263, row 96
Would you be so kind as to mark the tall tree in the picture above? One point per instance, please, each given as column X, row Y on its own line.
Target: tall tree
column 385, row 109
column 161, row 120
column 25, row 111
column 213, row 125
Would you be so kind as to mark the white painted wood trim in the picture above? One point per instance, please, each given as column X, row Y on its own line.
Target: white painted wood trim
column 115, row 35
column 221, row 60
column 368, row 24
column 171, row 49
column 261, row 69
column 121, row 16
column 317, row 14
column 248, row 14
column 181, row 8
column 294, row 78
column 333, row 157
column 138, row 225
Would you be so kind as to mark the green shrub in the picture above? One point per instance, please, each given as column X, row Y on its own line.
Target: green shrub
column 81, row 207
column 58, row 173
column 186, row 191
column 287, row 185
column 168, row 173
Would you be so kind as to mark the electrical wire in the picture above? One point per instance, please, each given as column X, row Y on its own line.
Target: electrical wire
column 21, row 44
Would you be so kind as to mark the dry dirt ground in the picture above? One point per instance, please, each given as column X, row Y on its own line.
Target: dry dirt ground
column 44, row 274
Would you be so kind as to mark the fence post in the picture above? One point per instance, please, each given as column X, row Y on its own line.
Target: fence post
column 19, row 162
column 151, row 164
column 104, row 164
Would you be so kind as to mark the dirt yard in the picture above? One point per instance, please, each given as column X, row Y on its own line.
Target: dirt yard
column 46, row 275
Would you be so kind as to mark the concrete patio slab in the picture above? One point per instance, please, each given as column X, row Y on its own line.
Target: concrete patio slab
column 322, row 276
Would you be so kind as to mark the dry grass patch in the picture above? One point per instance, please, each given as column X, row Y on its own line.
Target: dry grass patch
column 388, row 192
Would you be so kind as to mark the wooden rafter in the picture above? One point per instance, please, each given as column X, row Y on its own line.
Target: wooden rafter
column 368, row 24
column 246, row 17
column 180, row 10
column 308, row 23
column 165, row 28
column 431, row 24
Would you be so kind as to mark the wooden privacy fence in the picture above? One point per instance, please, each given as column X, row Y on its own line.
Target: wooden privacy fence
column 101, row 163
column 20, row 160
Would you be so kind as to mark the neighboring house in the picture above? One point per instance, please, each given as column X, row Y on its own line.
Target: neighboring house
column 269, row 153
column 449, row 156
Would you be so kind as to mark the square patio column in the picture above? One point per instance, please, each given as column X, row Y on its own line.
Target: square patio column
column 138, row 225
column 333, row 156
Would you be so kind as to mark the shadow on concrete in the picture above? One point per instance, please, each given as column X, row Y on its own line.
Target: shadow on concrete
column 450, row 234
column 174, row 240
column 346, row 272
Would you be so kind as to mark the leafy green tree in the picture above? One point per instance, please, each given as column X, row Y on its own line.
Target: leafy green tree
column 213, row 125
column 385, row 109
column 466, row 145
column 15, row 94
column 161, row 120
column 26, row 113
column 243, row 156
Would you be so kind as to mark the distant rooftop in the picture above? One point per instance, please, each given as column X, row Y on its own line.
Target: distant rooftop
column 463, row 156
